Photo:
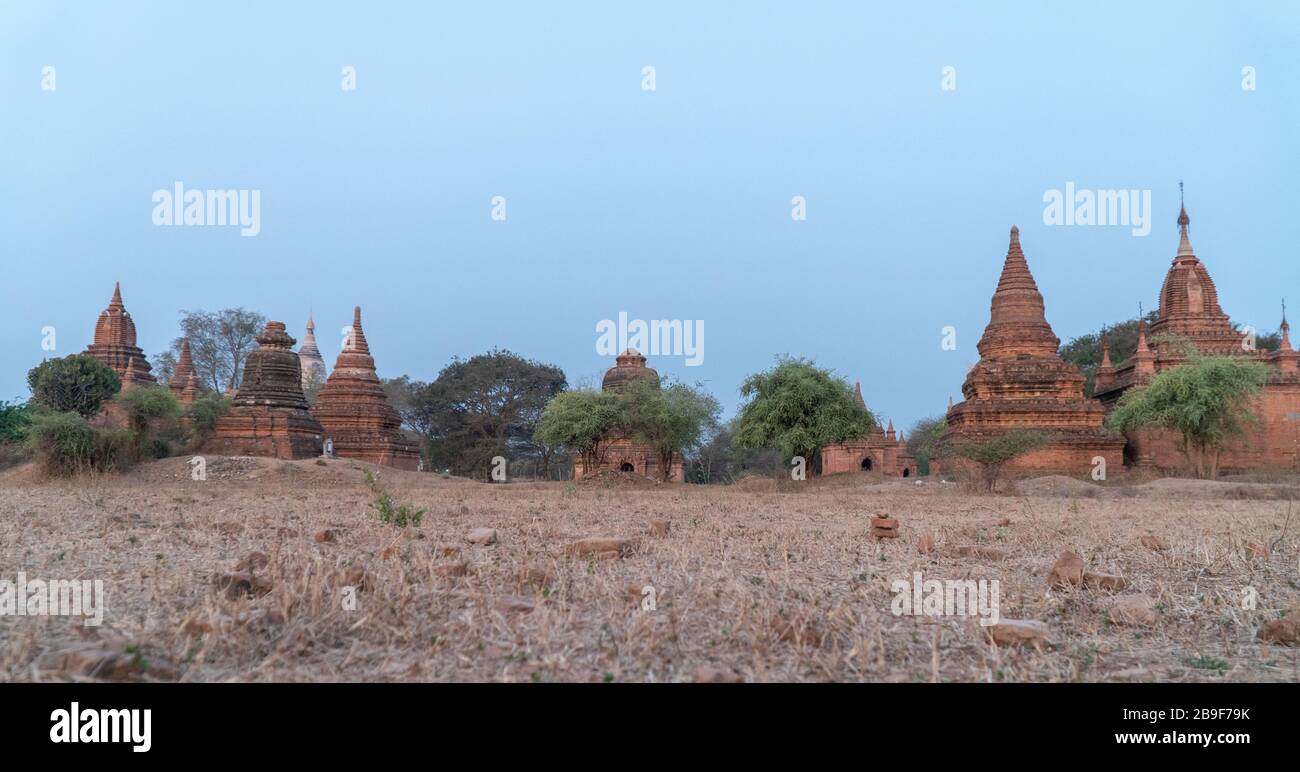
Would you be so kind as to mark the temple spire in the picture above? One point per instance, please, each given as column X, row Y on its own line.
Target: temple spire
column 1286, row 330
column 1105, row 351
column 357, row 338
column 117, row 295
column 1017, row 323
column 1184, row 243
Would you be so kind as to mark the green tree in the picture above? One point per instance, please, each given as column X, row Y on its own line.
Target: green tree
column 797, row 408
column 220, row 341
column 487, row 405
column 579, row 421
column 923, row 440
column 204, row 412
column 15, row 418
column 151, row 411
column 1205, row 400
column 671, row 419
column 72, row 384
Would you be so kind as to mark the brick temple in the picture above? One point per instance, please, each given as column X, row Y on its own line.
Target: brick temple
column 1190, row 314
column 354, row 411
column 620, row 452
column 184, row 383
column 114, row 343
column 1021, row 382
column 880, row 451
column 268, row 416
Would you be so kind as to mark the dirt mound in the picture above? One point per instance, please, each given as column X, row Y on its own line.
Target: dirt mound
column 1058, row 485
column 252, row 468
column 1173, row 487
column 609, row 478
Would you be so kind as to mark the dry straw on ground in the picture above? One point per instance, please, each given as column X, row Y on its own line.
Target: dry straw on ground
column 773, row 582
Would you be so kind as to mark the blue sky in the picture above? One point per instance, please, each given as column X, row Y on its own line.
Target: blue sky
column 671, row 204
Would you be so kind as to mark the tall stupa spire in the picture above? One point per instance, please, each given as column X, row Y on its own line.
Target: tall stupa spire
column 1017, row 321
column 1184, row 243
column 1286, row 329
column 313, row 364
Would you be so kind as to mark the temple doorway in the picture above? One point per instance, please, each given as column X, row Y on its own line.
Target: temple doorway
column 627, row 467
column 866, row 464
column 907, row 472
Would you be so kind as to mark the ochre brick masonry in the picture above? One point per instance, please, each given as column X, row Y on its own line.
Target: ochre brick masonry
column 1021, row 382
column 354, row 411
column 268, row 416
column 1190, row 314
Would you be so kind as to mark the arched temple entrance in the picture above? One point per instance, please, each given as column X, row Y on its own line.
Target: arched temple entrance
column 866, row 464
column 627, row 467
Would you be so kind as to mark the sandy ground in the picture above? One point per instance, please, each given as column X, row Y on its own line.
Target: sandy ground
column 761, row 581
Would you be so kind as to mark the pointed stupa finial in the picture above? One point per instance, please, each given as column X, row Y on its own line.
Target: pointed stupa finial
column 1105, row 351
column 1184, row 242
column 857, row 395
column 1286, row 330
column 1142, row 336
column 117, row 295
column 356, row 316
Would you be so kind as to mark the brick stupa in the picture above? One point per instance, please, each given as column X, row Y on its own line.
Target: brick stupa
column 313, row 364
column 354, row 410
column 184, row 383
column 114, row 344
column 1021, row 382
column 620, row 452
column 269, row 416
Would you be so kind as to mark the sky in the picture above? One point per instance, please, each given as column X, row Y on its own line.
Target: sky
column 668, row 203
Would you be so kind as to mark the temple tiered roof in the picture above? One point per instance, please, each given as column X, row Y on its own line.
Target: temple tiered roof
column 114, row 343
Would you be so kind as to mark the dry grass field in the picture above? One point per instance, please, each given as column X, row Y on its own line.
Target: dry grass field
column 759, row 581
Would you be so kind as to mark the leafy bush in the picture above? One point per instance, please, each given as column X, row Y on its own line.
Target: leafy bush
column 991, row 455
column 389, row 511
column 73, row 384
column 1206, row 400
column 204, row 412
column 66, row 444
column 151, row 414
column 15, row 418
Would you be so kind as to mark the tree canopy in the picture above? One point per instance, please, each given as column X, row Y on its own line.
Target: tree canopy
column 220, row 341
column 581, row 420
column 672, row 419
column 477, row 408
column 73, row 384
column 797, row 408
